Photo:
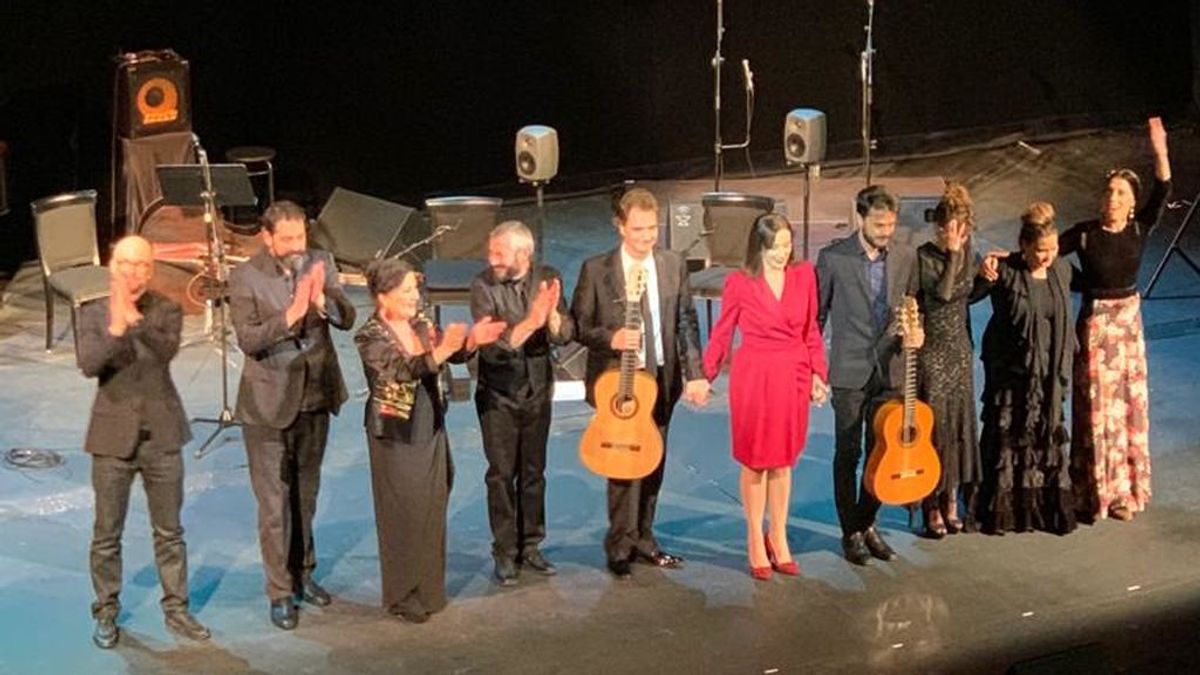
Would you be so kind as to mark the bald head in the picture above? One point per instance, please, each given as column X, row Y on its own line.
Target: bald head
column 133, row 262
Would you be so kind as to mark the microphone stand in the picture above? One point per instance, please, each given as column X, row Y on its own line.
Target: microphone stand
column 719, row 145
column 866, row 73
column 216, row 252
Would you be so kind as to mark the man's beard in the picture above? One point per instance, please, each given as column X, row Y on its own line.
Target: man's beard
column 874, row 242
column 504, row 273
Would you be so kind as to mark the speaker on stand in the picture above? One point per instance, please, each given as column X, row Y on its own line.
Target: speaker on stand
column 537, row 162
column 804, row 144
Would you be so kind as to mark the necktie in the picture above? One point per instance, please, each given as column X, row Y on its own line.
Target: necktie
column 648, row 331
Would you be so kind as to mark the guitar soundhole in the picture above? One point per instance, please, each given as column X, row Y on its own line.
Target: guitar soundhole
column 623, row 408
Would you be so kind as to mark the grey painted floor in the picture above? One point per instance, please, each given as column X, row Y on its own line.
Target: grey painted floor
column 1115, row 597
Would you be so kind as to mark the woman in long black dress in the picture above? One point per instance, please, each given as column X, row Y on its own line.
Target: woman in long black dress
column 411, row 468
column 1027, row 352
column 950, row 277
column 1110, row 415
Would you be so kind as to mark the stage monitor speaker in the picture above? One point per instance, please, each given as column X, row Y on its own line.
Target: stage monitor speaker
column 685, row 228
column 359, row 228
column 153, row 94
column 537, row 153
column 728, row 217
column 804, row 136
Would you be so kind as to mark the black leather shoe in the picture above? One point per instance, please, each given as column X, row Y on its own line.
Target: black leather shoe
column 533, row 559
column 620, row 569
column 106, row 634
column 660, row 559
column 854, row 549
column 877, row 546
column 283, row 614
column 183, row 624
column 312, row 593
column 505, row 572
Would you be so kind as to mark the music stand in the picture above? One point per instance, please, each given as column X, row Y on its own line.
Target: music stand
column 1175, row 248
column 210, row 185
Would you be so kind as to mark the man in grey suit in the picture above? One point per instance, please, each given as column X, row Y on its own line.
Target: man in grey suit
column 283, row 300
column 137, row 426
column 861, row 279
column 670, row 352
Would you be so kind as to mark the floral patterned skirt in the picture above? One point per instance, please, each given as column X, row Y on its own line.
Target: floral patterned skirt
column 1110, row 448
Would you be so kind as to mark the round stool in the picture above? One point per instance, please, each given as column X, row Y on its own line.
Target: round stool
column 259, row 161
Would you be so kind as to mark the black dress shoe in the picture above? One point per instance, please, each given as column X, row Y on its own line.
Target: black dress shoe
column 312, row 593
column 533, row 559
column 620, row 569
column 505, row 571
column 283, row 614
column 106, row 633
column 854, row 549
column 660, row 559
column 183, row 624
column 877, row 546
column 412, row 615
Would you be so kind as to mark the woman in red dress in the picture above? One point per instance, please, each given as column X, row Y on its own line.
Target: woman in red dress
column 778, row 368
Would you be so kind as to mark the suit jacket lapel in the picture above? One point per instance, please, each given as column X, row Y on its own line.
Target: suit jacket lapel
column 616, row 276
column 858, row 259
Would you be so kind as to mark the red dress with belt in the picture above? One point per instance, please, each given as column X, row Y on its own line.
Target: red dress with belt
column 770, row 380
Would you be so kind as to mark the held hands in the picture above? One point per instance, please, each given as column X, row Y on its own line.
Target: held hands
column 453, row 339
column 485, row 332
column 544, row 304
column 990, row 268
column 697, row 392
column 820, row 390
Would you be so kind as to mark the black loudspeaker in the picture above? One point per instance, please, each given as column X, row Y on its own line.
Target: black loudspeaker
column 358, row 228
column 537, row 154
column 153, row 94
column 728, row 217
column 685, row 229
column 804, row 136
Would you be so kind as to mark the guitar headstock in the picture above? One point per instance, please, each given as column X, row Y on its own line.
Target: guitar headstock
column 635, row 284
column 908, row 316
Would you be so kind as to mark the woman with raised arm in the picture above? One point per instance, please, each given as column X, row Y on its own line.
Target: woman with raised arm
column 411, row 470
column 778, row 368
column 1110, row 448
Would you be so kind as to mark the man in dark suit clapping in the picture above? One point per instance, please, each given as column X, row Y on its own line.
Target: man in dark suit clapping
column 137, row 426
column 670, row 351
column 283, row 300
column 861, row 279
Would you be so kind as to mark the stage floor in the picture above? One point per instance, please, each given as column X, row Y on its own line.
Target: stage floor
column 1112, row 597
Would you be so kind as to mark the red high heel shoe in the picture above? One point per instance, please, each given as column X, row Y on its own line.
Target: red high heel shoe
column 760, row 573
column 790, row 568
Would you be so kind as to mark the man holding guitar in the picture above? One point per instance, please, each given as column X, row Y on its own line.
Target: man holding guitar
column 860, row 279
column 667, row 347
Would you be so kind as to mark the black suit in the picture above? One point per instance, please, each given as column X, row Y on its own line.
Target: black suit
column 290, row 384
column 513, row 402
column 137, row 426
column 865, row 366
column 599, row 310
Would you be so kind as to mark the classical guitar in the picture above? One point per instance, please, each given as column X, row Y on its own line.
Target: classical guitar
column 622, row 441
column 904, row 466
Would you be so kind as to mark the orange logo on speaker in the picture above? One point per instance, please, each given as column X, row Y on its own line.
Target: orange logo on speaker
column 158, row 101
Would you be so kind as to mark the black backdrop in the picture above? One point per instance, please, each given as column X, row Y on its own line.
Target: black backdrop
column 406, row 99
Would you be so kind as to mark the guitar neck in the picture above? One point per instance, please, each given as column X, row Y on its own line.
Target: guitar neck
column 910, row 389
column 633, row 322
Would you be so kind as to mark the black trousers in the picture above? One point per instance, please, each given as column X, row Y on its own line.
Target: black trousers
column 514, row 441
column 162, row 478
column 854, row 409
column 632, row 504
column 285, row 473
